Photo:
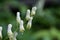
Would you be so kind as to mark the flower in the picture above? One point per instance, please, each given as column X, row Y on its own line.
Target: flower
column 9, row 32
column 33, row 11
column 0, row 32
column 18, row 17
column 29, row 24
column 15, row 35
column 21, row 26
column 28, row 15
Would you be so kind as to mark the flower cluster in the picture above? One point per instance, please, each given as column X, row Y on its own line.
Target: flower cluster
column 29, row 18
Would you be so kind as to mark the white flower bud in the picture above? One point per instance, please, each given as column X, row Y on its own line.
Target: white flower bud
column 29, row 24
column 15, row 35
column 9, row 32
column 33, row 11
column 18, row 17
column 28, row 15
column 0, row 32
column 21, row 26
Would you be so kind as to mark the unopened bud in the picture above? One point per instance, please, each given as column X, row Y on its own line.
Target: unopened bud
column 28, row 15
column 0, row 33
column 15, row 35
column 18, row 17
column 21, row 26
column 29, row 24
column 33, row 11
column 9, row 32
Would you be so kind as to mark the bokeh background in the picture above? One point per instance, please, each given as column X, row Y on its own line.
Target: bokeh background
column 46, row 22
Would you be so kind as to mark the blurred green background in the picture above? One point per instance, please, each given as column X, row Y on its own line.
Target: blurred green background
column 46, row 22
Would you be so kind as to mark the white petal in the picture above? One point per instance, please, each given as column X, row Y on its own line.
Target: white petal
column 28, row 15
column 0, row 31
column 29, row 24
column 0, row 28
column 21, row 26
column 34, row 8
column 18, row 17
column 33, row 11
